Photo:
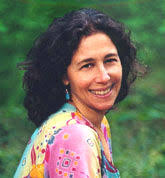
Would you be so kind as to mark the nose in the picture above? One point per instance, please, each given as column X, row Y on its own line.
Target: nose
column 102, row 75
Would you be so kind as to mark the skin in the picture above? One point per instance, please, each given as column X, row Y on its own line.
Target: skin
column 94, row 76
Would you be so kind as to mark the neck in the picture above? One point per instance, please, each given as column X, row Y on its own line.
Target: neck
column 94, row 116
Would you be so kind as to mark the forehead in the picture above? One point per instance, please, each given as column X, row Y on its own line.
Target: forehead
column 94, row 45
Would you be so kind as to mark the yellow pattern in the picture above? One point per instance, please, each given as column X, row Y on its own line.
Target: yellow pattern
column 45, row 132
column 37, row 171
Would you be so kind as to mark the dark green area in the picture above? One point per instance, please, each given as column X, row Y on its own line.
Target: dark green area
column 138, row 125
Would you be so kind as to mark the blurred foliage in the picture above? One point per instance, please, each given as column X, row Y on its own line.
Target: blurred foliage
column 137, row 124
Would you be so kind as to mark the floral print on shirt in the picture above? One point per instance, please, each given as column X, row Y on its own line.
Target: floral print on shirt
column 66, row 145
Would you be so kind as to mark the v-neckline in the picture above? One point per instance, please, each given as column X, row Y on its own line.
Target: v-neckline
column 89, row 124
column 86, row 122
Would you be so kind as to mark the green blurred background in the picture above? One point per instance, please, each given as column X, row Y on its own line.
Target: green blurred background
column 138, row 125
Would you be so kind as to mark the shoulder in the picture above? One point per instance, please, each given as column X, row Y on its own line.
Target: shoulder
column 75, row 134
column 53, row 126
column 61, row 135
column 63, row 130
column 75, row 147
column 59, row 119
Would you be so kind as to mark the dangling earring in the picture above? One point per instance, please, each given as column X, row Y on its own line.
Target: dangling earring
column 67, row 96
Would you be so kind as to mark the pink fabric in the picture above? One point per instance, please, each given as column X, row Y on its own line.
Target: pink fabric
column 67, row 145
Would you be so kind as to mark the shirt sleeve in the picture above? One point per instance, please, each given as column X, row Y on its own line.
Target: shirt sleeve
column 73, row 151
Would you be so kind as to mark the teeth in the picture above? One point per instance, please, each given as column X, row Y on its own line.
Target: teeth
column 102, row 92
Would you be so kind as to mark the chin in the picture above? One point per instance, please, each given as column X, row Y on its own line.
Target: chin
column 104, row 109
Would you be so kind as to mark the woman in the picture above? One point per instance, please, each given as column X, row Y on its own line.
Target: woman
column 75, row 73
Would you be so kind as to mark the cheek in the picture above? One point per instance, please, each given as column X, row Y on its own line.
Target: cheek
column 117, row 77
column 83, row 85
column 79, row 85
column 119, row 72
column 120, row 75
column 116, row 72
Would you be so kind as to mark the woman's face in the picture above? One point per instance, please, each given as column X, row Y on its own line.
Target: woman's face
column 95, row 73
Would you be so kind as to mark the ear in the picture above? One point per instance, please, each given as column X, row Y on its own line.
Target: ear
column 65, row 80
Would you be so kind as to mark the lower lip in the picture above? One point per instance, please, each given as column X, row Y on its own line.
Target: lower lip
column 103, row 96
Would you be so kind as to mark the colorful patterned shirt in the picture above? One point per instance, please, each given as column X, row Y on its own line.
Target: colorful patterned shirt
column 67, row 145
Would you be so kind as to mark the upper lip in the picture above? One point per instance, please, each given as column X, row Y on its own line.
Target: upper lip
column 102, row 89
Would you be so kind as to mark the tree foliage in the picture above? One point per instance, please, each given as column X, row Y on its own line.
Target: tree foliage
column 137, row 125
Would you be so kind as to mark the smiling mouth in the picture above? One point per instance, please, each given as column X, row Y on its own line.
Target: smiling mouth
column 102, row 92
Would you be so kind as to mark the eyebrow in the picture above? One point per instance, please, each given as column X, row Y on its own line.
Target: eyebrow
column 85, row 61
column 91, row 59
column 111, row 55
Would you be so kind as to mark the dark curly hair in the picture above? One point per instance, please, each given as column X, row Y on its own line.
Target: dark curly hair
column 52, row 52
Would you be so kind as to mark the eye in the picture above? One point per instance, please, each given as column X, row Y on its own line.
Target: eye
column 86, row 66
column 110, row 60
